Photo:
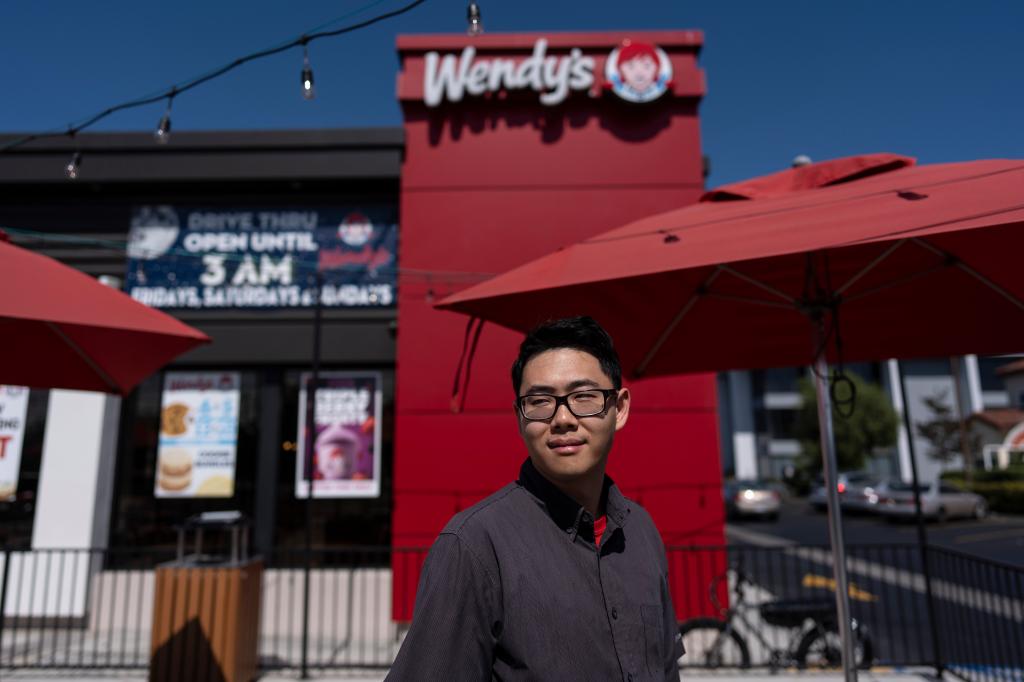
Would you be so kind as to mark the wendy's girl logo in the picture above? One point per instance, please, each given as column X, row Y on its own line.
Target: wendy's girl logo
column 638, row 72
column 355, row 230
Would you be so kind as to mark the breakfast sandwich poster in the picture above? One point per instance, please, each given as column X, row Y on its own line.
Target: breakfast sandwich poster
column 198, row 435
column 346, row 436
column 13, row 407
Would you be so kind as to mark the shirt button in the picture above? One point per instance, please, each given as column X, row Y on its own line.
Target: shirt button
column 615, row 613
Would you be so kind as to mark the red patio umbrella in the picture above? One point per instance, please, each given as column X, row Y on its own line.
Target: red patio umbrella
column 914, row 256
column 883, row 257
column 60, row 328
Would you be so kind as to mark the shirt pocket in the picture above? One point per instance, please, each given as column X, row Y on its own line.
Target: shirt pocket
column 654, row 638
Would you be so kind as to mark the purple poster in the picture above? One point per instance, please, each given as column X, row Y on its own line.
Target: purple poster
column 346, row 436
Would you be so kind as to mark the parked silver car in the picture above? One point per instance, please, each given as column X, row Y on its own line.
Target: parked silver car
column 751, row 498
column 941, row 502
column 862, row 497
column 845, row 481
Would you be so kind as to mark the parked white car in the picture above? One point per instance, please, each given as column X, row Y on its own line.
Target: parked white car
column 751, row 498
column 941, row 502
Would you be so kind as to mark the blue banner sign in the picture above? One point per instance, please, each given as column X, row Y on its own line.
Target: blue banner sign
column 183, row 257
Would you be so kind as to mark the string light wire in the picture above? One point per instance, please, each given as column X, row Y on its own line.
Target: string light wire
column 179, row 88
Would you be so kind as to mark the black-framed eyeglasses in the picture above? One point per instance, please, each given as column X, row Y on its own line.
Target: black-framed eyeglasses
column 587, row 403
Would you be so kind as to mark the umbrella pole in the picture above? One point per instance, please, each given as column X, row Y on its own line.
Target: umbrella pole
column 835, row 526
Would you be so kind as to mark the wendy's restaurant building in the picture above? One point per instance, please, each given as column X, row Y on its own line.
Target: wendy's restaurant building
column 511, row 147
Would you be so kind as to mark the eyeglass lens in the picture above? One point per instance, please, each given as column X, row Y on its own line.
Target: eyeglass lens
column 580, row 403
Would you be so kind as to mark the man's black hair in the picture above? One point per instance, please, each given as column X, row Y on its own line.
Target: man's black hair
column 579, row 333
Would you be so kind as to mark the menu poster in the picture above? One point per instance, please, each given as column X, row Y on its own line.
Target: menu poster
column 13, row 407
column 198, row 435
column 346, row 436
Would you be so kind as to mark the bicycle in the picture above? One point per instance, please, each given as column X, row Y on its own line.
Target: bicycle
column 814, row 642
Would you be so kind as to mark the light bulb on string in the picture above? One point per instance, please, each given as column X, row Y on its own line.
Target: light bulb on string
column 162, row 134
column 307, row 74
column 475, row 23
column 71, row 169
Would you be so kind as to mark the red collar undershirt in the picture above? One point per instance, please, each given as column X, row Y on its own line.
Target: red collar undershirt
column 600, row 524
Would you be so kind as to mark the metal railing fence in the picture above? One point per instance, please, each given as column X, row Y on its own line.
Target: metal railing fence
column 981, row 610
column 773, row 607
column 93, row 609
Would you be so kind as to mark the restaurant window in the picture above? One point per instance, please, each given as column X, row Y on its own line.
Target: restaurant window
column 337, row 522
column 17, row 514
column 142, row 519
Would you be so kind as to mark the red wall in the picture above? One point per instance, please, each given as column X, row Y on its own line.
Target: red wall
column 489, row 183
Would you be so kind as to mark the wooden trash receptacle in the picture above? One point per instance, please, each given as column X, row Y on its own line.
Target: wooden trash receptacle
column 206, row 616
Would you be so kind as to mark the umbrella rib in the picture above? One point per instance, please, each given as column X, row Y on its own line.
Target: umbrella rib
column 942, row 223
column 950, row 258
column 754, row 301
column 700, row 291
column 761, row 285
column 871, row 266
column 896, row 282
column 85, row 357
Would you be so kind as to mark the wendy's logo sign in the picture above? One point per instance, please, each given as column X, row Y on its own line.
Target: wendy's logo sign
column 638, row 72
column 553, row 77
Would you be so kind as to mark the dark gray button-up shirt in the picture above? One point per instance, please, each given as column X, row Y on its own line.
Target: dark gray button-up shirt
column 515, row 589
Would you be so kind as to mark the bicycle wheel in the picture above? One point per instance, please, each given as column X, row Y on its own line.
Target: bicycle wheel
column 817, row 650
column 709, row 645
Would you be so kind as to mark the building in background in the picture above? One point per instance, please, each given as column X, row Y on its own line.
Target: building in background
column 759, row 411
column 215, row 228
column 509, row 148
column 516, row 145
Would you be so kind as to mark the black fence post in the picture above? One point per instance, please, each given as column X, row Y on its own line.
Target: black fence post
column 308, row 465
column 3, row 600
column 922, row 538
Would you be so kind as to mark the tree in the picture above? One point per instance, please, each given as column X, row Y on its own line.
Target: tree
column 871, row 425
column 946, row 435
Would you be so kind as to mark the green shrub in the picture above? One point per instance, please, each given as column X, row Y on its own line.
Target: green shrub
column 1003, row 490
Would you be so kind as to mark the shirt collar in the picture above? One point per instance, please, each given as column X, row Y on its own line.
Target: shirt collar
column 565, row 511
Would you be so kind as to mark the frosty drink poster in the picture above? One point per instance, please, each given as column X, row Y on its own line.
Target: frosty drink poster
column 346, row 436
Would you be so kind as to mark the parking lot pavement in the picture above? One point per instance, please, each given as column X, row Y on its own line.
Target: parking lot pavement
column 999, row 537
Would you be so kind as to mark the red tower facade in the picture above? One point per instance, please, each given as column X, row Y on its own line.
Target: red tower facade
column 517, row 145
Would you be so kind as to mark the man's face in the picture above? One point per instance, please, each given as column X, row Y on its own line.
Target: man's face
column 567, row 448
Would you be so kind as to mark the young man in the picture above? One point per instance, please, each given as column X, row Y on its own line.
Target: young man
column 556, row 576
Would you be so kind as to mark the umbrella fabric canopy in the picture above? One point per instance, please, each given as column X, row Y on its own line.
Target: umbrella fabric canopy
column 60, row 328
column 919, row 260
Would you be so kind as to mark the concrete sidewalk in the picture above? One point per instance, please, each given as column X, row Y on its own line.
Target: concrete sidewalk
column 881, row 675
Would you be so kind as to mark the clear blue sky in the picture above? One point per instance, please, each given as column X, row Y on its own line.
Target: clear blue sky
column 936, row 79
